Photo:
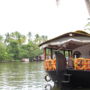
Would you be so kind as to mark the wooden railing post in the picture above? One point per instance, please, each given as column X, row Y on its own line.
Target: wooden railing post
column 44, row 53
column 51, row 53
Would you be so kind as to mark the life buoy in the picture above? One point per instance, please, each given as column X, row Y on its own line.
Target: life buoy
column 47, row 78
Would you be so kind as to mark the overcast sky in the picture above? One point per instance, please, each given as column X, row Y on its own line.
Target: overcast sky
column 42, row 16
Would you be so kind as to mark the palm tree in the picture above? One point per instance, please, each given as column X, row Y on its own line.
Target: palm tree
column 7, row 38
column 39, row 39
column 44, row 38
column 29, row 36
column 18, row 37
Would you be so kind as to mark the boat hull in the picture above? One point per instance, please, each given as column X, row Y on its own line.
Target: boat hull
column 57, row 77
column 79, row 77
column 70, row 77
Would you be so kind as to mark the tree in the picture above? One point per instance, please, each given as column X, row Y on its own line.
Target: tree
column 40, row 39
column 4, row 55
column 87, row 27
column 44, row 38
column 37, row 39
column 33, row 50
column 13, row 49
column 23, row 52
column 14, row 46
column 1, row 38
column 7, row 38
column 29, row 36
column 18, row 37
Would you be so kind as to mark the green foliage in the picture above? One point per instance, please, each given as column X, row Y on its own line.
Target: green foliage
column 14, row 46
column 13, row 49
column 4, row 55
column 87, row 26
column 40, row 39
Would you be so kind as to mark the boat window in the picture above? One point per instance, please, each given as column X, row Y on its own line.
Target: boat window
column 76, row 54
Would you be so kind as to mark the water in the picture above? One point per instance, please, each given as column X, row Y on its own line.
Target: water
column 25, row 76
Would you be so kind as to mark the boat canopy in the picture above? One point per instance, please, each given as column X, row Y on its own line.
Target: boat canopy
column 68, row 41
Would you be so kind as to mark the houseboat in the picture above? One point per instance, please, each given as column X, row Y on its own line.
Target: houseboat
column 67, row 59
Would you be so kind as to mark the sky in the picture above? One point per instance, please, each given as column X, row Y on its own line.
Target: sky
column 42, row 16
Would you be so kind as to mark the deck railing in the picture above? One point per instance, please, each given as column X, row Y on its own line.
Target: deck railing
column 82, row 64
column 50, row 64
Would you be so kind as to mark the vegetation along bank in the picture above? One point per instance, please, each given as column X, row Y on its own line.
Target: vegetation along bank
column 15, row 46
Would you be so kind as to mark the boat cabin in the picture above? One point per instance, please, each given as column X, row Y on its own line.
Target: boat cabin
column 68, row 47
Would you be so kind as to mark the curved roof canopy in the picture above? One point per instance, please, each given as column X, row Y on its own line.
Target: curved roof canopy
column 68, row 41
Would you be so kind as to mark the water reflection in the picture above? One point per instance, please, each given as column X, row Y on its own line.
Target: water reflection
column 50, row 87
column 25, row 76
column 21, row 76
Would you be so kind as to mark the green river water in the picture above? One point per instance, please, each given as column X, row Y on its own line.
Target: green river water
column 25, row 76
